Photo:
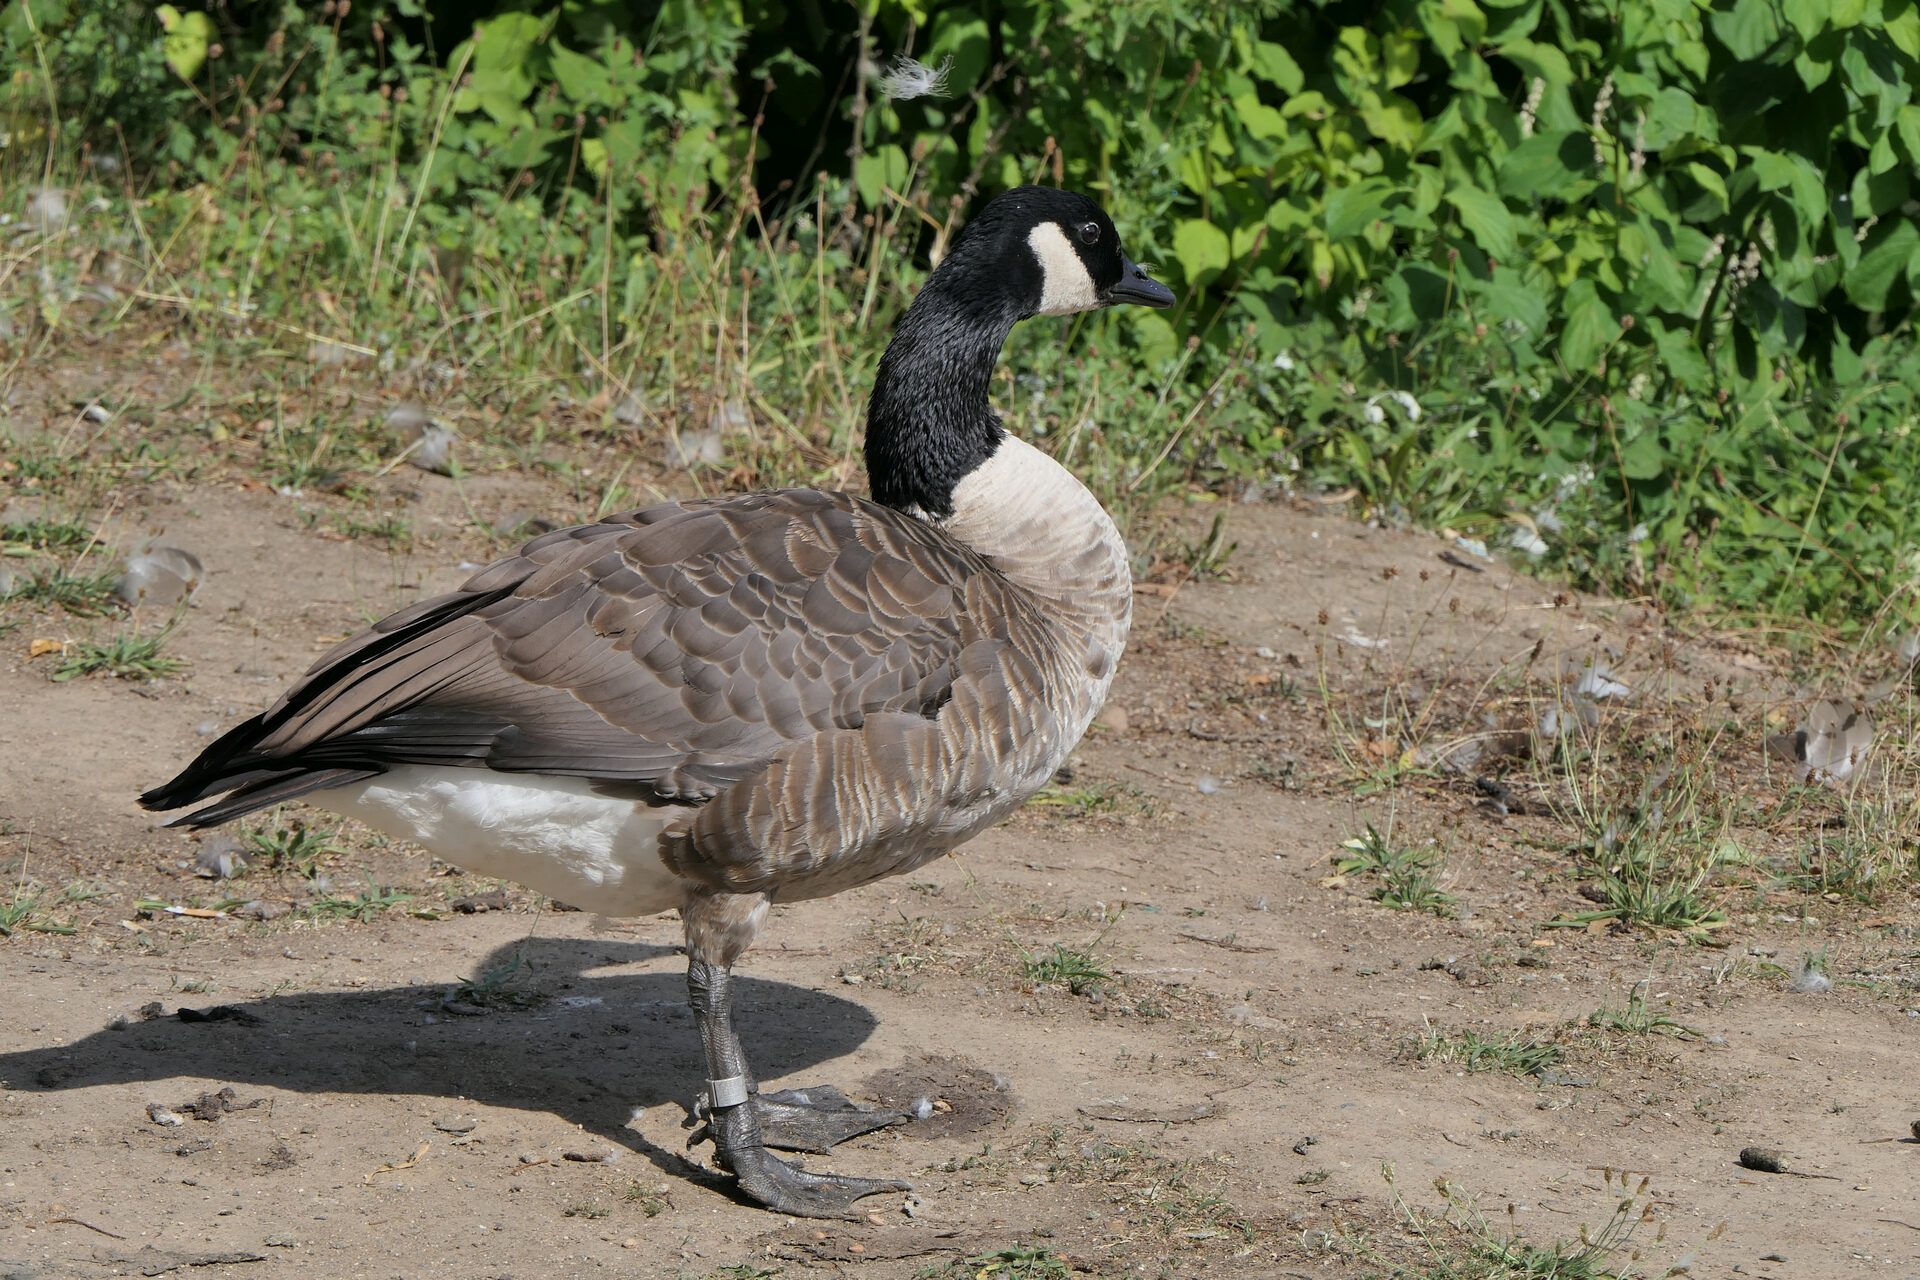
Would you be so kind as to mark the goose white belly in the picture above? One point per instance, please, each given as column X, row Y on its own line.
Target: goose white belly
column 554, row 835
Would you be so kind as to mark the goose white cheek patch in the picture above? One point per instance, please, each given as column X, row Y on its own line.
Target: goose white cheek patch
column 1065, row 286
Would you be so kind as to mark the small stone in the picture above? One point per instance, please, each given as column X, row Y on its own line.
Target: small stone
column 161, row 1114
column 1764, row 1160
column 455, row 1124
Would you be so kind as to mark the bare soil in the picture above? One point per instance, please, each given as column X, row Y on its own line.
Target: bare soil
column 1227, row 1100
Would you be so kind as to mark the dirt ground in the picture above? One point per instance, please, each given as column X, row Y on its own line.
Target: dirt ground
column 1230, row 1095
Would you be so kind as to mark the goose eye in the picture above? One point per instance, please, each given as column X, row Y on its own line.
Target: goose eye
column 1089, row 232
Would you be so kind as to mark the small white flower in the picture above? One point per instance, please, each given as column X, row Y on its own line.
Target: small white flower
column 1408, row 403
column 1640, row 533
column 1374, row 413
column 908, row 79
column 1283, row 362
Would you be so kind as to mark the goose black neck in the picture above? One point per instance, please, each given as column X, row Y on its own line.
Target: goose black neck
column 929, row 422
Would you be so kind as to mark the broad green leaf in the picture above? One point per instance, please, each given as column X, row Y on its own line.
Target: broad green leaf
column 1748, row 29
column 1272, row 63
column 582, row 80
column 1393, row 120
column 1808, row 17
column 1486, row 219
column 1453, row 25
column 505, row 41
column 187, row 39
column 1202, row 249
column 1353, row 209
column 877, row 172
column 1589, row 328
column 1885, row 263
column 1259, row 119
column 1546, row 164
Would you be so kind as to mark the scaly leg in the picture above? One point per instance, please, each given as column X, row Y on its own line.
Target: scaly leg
column 719, row 928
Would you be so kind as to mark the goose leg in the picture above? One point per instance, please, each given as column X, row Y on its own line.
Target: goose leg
column 734, row 1120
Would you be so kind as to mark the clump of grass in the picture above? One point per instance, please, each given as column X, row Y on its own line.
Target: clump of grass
column 497, row 987
column 1460, row 1243
column 370, row 902
column 24, row 913
column 21, row 537
column 296, row 846
column 125, row 657
column 1079, row 800
column 84, row 594
column 1072, row 966
column 1639, row 1018
column 1018, row 1262
column 1653, row 841
column 652, row 1201
column 1405, row 878
column 1516, row 1053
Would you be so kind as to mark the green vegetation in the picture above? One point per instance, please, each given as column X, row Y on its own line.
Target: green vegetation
column 1639, row 1018
column 1516, row 1054
column 294, row 846
column 1019, row 1262
column 1459, row 1243
column 1072, row 967
column 1404, row 878
column 126, row 656
column 371, row 901
column 1628, row 290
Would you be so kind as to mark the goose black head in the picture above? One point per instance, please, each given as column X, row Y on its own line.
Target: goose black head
column 1050, row 252
column 1032, row 251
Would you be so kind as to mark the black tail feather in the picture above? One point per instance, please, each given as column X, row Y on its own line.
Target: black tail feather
column 266, row 792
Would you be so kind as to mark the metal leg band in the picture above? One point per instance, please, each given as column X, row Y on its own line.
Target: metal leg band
column 730, row 1092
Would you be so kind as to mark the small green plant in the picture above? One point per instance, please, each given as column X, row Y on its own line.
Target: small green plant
column 363, row 906
column 23, row 913
column 1072, row 966
column 1459, row 1243
column 1516, row 1053
column 126, row 657
column 86, row 595
column 1078, row 800
column 1652, row 840
column 651, row 1201
column 498, row 986
column 588, row 1209
column 23, row 537
column 1020, row 1262
column 1639, row 1018
column 294, row 846
column 1406, row 879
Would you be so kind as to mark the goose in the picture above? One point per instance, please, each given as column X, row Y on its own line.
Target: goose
column 714, row 705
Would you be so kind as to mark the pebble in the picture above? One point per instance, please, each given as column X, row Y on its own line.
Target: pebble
column 161, row 1114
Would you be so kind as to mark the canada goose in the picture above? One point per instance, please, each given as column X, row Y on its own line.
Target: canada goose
column 710, row 705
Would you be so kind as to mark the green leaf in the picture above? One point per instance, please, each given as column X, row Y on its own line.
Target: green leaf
column 506, row 40
column 1353, row 209
column 1202, row 250
column 1546, row 164
column 880, row 170
column 1590, row 325
column 1486, row 218
column 582, row 80
column 1748, row 29
column 188, row 37
column 1272, row 63
column 1883, row 264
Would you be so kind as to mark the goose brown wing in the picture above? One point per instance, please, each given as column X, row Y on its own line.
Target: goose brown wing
column 679, row 647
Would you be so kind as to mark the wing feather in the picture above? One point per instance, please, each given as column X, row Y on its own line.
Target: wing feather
column 682, row 646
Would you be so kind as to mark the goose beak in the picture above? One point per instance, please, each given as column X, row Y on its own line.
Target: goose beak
column 1136, row 286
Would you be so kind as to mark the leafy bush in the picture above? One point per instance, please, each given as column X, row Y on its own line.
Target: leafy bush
column 1630, row 286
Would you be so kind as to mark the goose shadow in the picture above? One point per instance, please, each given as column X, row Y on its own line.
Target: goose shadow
column 561, row 1035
